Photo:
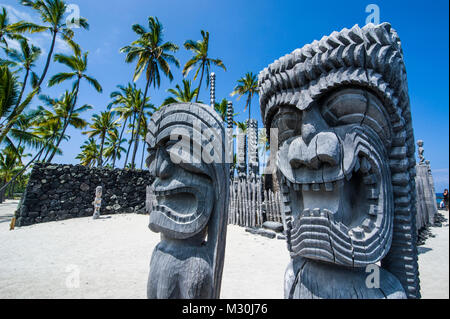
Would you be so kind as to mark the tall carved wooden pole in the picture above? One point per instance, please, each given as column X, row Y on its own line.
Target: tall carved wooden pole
column 189, row 201
column 346, row 164
column 212, row 81
column 230, row 125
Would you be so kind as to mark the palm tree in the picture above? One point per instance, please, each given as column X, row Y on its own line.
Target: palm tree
column 10, row 110
column 200, row 59
column 143, row 134
column 181, row 95
column 263, row 145
column 26, row 59
column 129, row 100
column 60, row 111
column 247, row 85
column 102, row 126
column 113, row 148
column 52, row 14
column 78, row 64
column 50, row 130
column 9, row 166
column 152, row 55
column 12, row 31
column 21, row 133
column 222, row 109
column 89, row 153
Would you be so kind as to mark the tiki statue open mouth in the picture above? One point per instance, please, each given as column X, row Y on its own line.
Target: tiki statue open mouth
column 181, row 207
column 346, row 164
column 334, row 180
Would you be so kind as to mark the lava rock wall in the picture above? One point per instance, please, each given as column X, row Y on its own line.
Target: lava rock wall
column 58, row 192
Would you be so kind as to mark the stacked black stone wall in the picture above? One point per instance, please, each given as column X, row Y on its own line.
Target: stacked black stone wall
column 58, row 192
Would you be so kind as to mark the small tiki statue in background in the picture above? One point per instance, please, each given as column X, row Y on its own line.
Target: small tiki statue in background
column 97, row 202
column 346, row 165
column 189, row 201
column 420, row 150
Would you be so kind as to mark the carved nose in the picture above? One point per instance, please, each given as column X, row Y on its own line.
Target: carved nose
column 163, row 165
column 312, row 124
column 323, row 148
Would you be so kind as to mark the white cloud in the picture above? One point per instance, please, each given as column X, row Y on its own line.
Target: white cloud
column 16, row 15
column 41, row 40
column 62, row 46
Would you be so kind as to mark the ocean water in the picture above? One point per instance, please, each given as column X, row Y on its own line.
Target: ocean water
column 439, row 197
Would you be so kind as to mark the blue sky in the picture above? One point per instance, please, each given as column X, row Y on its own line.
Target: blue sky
column 249, row 35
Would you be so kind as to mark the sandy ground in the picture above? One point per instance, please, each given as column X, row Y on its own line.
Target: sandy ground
column 109, row 258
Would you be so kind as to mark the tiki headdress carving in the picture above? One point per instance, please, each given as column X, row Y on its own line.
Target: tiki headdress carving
column 346, row 158
column 190, row 199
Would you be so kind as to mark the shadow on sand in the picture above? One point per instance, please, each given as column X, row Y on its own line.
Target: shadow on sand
column 423, row 250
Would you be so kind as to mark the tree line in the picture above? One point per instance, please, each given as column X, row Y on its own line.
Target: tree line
column 111, row 134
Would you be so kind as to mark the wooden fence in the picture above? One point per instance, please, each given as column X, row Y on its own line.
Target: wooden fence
column 250, row 205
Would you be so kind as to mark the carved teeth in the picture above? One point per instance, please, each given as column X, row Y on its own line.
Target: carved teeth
column 327, row 212
column 329, row 187
column 373, row 210
column 306, row 212
column 316, row 212
column 367, row 225
column 296, row 187
column 357, row 232
column 316, row 187
column 373, row 193
column 306, row 187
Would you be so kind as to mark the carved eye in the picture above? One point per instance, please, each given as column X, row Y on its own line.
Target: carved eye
column 150, row 157
column 182, row 153
column 288, row 122
column 355, row 106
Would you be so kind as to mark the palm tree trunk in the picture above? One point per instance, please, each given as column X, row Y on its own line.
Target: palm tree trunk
column 200, row 84
column 51, row 140
column 23, row 88
column 47, row 64
column 143, row 152
column 2, row 197
column 249, row 103
column 141, row 111
column 118, row 145
column 12, row 189
column 100, row 158
column 66, row 122
column 131, row 140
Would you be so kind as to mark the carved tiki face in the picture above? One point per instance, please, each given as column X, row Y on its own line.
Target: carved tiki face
column 98, row 191
column 346, row 158
column 185, row 190
column 332, row 163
